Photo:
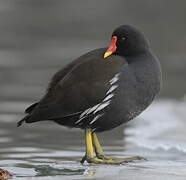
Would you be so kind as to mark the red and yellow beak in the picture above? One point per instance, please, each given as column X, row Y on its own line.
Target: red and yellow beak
column 112, row 48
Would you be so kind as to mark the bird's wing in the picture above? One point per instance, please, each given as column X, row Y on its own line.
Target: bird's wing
column 85, row 86
column 63, row 72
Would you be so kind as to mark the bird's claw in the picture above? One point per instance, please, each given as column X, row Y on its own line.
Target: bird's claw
column 110, row 160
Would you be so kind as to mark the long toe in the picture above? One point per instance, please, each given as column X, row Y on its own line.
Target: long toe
column 110, row 161
column 133, row 158
column 121, row 160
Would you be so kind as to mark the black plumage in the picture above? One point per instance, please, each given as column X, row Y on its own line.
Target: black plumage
column 102, row 93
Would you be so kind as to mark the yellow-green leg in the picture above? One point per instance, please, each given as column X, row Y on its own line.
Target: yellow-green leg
column 90, row 155
column 98, row 149
column 94, row 152
column 100, row 154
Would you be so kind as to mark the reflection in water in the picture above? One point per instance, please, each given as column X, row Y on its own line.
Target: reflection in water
column 45, row 170
column 90, row 172
column 48, row 170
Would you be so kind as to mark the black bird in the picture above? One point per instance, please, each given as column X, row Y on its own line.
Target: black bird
column 101, row 90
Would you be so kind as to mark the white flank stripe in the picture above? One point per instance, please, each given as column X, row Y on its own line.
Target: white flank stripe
column 108, row 97
column 95, row 118
column 93, row 108
column 114, row 79
column 80, row 119
column 106, row 101
column 102, row 106
column 84, row 113
column 112, row 89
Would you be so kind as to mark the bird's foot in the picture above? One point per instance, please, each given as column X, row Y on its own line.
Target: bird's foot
column 131, row 159
column 96, row 160
column 110, row 160
column 127, row 159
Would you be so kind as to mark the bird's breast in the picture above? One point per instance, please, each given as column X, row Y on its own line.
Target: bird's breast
column 136, row 88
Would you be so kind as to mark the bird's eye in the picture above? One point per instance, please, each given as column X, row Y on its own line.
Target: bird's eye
column 123, row 38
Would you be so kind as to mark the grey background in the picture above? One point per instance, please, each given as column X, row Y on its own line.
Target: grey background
column 39, row 37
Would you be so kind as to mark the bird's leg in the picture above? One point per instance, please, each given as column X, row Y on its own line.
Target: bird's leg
column 100, row 154
column 90, row 156
column 97, row 156
column 98, row 149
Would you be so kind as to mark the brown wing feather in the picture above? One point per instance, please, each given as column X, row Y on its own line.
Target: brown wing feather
column 80, row 86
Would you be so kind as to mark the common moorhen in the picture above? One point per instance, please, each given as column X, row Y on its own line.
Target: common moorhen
column 101, row 90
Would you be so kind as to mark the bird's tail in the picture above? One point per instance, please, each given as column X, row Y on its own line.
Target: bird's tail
column 25, row 119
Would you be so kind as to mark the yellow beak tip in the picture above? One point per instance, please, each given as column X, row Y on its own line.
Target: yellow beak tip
column 107, row 54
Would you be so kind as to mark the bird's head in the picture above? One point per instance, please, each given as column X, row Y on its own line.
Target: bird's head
column 127, row 40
